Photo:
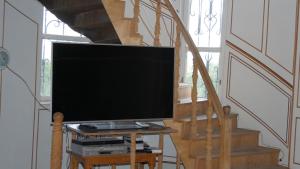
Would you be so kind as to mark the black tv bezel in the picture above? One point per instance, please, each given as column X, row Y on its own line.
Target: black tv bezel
column 115, row 120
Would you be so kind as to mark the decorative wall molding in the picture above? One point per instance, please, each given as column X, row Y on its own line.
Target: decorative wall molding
column 295, row 39
column 260, row 64
column 297, row 49
column 295, row 160
column 285, row 139
column 242, row 39
column 268, row 57
column 3, row 16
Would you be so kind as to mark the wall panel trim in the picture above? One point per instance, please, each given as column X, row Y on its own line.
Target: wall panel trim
column 295, row 136
column 295, row 40
column 285, row 140
column 260, row 64
column 245, row 41
column 1, row 74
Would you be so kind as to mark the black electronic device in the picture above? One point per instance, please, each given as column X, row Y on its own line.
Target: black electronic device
column 93, row 82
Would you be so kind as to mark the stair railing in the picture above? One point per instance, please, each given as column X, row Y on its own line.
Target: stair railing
column 214, row 103
column 213, row 99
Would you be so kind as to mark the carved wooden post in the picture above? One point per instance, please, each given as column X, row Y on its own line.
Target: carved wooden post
column 157, row 24
column 57, row 142
column 136, row 14
column 194, row 97
column 178, row 161
column 132, row 150
column 161, row 146
column 177, row 61
column 225, row 153
column 209, row 131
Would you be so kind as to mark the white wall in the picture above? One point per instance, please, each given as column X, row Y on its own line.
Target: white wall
column 20, row 34
column 259, row 69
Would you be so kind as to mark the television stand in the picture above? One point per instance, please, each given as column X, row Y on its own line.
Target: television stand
column 132, row 157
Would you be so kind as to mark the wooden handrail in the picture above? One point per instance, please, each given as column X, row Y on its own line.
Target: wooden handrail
column 212, row 94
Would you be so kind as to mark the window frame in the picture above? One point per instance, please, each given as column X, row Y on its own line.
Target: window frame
column 58, row 38
column 186, row 20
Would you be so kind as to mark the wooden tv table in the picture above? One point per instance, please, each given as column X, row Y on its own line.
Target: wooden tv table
column 88, row 162
column 131, row 158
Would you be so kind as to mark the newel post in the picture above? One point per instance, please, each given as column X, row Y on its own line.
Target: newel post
column 57, row 141
column 225, row 162
column 209, row 131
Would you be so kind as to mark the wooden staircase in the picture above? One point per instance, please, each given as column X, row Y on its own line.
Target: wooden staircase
column 201, row 138
column 246, row 152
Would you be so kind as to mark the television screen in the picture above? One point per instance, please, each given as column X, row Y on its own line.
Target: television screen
column 94, row 82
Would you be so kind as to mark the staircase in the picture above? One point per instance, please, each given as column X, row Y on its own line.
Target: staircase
column 245, row 154
column 204, row 139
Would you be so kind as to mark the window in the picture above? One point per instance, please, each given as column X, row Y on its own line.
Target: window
column 205, row 28
column 54, row 30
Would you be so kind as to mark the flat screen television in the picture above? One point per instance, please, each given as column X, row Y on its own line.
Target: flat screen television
column 95, row 82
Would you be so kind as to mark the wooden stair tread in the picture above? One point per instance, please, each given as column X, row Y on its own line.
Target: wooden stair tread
column 204, row 117
column 184, row 109
column 240, row 152
column 180, row 144
column 216, row 133
column 269, row 167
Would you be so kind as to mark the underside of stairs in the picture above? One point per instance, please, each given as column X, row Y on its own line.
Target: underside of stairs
column 103, row 21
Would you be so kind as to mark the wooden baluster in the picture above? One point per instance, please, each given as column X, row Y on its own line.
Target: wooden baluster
column 136, row 14
column 157, row 24
column 225, row 153
column 57, row 142
column 194, row 98
column 132, row 150
column 177, row 61
column 161, row 146
column 197, row 59
column 209, row 131
column 178, row 161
